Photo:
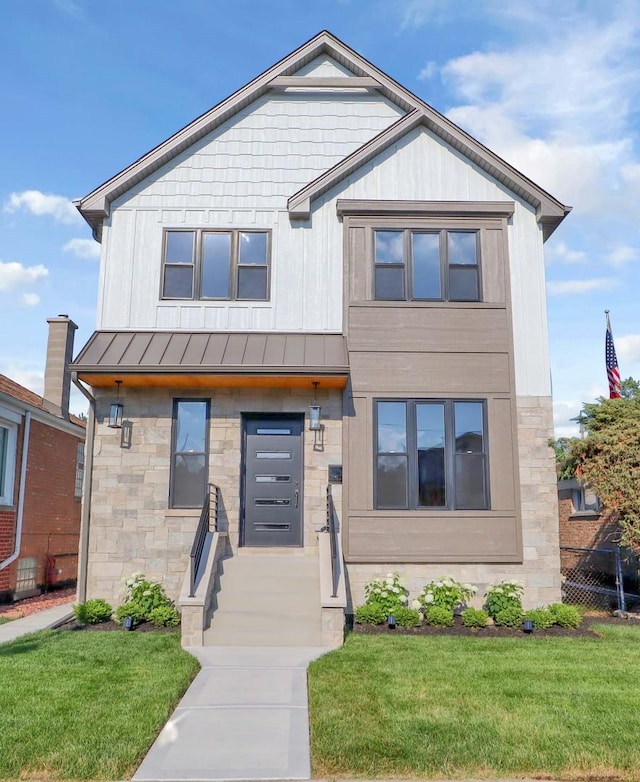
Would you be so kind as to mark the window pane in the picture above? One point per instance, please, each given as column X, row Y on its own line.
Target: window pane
column 470, row 483
column 431, row 459
column 216, row 261
column 253, row 248
column 180, row 246
column 252, row 282
column 392, row 482
column 178, row 282
column 392, row 427
column 462, row 248
column 468, row 427
column 4, row 435
column 389, row 247
column 463, row 283
column 189, row 480
column 426, row 266
column 191, row 427
column 389, row 283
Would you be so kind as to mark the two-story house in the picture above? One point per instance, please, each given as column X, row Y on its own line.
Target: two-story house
column 323, row 274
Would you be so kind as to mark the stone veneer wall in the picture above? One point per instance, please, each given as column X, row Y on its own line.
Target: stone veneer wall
column 131, row 527
column 540, row 569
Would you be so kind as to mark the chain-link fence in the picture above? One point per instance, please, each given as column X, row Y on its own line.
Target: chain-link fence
column 599, row 577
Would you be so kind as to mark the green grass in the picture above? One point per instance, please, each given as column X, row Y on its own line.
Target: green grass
column 4, row 620
column 407, row 706
column 86, row 705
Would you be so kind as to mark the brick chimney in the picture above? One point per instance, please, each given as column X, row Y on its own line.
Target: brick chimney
column 57, row 378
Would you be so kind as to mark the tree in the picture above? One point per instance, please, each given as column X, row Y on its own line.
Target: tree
column 608, row 457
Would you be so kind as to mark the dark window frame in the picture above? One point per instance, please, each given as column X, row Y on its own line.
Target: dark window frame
column 411, row 454
column 79, row 478
column 446, row 266
column 197, row 263
column 174, row 453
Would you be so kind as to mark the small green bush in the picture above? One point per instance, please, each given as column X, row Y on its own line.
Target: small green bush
column 506, row 594
column 164, row 616
column 370, row 614
column 407, row 617
column 439, row 616
column 542, row 618
column 511, row 616
column 565, row 616
column 91, row 612
column 474, row 617
column 132, row 609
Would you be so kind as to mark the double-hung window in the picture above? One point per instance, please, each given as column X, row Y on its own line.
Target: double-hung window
column 189, row 453
column 7, row 462
column 225, row 265
column 426, row 265
column 431, row 455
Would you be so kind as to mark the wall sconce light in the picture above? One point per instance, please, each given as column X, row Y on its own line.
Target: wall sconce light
column 314, row 411
column 116, row 409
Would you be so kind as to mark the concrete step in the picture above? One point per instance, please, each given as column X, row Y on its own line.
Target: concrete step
column 265, row 600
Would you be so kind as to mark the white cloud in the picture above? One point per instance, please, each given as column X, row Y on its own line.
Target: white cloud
column 44, row 204
column 14, row 274
column 26, row 376
column 571, row 287
column 621, row 256
column 30, row 299
column 562, row 253
column 83, row 248
column 429, row 71
column 628, row 348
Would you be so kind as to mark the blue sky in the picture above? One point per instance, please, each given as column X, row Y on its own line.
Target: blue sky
column 87, row 87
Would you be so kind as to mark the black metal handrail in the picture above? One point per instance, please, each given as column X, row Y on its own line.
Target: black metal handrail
column 205, row 525
column 331, row 529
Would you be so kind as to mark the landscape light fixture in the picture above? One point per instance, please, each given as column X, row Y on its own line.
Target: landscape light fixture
column 391, row 622
column 116, row 409
column 314, row 410
column 527, row 626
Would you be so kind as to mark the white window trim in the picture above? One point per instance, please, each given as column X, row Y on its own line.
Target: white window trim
column 9, row 466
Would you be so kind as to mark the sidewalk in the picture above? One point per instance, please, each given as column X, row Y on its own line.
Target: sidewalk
column 42, row 620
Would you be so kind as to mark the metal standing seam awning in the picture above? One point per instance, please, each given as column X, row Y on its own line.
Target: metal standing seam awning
column 201, row 359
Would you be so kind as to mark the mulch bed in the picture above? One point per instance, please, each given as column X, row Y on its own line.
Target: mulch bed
column 31, row 605
column 145, row 627
column 584, row 631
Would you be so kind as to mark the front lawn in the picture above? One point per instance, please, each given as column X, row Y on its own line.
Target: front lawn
column 385, row 706
column 78, row 705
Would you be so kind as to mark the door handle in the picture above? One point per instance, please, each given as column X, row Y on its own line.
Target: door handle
column 297, row 494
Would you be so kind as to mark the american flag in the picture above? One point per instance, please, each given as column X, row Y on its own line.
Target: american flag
column 613, row 373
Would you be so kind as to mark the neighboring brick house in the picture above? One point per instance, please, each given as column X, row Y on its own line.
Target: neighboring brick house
column 41, row 471
column 323, row 238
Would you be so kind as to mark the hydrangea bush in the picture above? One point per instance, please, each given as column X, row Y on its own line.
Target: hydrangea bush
column 146, row 599
column 446, row 593
column 389, row 593
column 505, row 595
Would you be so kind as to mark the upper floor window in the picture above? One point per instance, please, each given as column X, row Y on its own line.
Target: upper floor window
column 431, row 455
column 203, row 264
column 426, row 265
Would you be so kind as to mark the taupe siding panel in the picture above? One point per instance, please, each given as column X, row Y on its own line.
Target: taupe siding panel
column 175, row 350
column 156, row 350
column 195, row 349
column 430, row 374
column 433, row 539
column 254, row 354
column 492, row 255
column 428, row 328
column 501, row 455
column 215, row 349
column 359, row 452
column 117, row 348
column 136, row 350
column 358, row 276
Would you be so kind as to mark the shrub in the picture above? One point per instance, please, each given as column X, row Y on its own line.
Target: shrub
column 565, row 616
column 389, row 593
column 506, row 594
column 511, row 616
column 92, row 612
column 164, row 616
column 474, row 617
column 439, row 616
column 146, row 593
column 446, row 593
column 370, row 614
column 131, row 609
column 407, row 617
column 542, row 618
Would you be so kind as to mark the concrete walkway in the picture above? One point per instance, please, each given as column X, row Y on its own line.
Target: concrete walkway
column 244, row 717
column 41, row 620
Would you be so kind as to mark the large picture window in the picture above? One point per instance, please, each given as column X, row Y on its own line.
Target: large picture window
column 189, row 453
column 431, row 455
column 216, row 265
column 427, row 265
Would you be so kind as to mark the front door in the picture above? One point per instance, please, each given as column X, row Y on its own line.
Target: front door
column 272, row 480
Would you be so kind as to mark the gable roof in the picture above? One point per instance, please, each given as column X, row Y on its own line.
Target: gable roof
column 21, row 394
column 95, row 206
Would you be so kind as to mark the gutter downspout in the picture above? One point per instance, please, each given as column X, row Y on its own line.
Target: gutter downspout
column 23, row 479
column 85, row 518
